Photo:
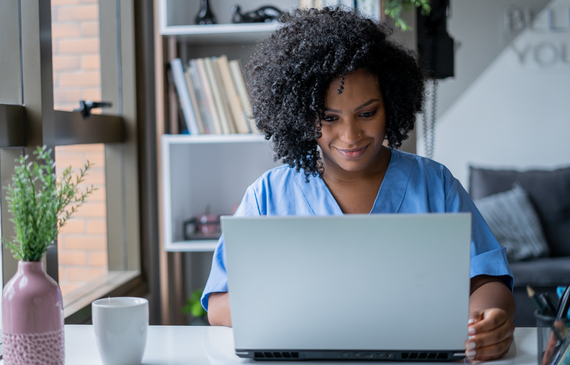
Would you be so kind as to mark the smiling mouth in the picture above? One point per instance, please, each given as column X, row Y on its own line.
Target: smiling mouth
column 353, row 153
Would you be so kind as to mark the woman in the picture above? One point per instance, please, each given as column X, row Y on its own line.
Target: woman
column 330, row 89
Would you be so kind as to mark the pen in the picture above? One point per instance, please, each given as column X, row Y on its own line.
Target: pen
column 563, row 306
column 562, row 349
column 559, row 328
column 560, row 291
column 532, row 295
column 550, row 348
column 547, row 304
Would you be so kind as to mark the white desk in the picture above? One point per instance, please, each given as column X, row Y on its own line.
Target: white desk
column 177, row 345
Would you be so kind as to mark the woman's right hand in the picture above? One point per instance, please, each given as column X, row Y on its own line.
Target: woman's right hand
column 219, row 309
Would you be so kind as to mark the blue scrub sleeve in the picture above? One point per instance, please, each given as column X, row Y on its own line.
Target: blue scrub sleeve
column 487, row 256
column 218, row 279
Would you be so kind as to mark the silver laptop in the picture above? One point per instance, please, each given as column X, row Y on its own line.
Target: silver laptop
column 370, row 287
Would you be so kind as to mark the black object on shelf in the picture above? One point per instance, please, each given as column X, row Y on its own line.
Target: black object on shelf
column 205, row 15
column 262, row 14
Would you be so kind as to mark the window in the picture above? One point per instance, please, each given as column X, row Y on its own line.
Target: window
column 47, row 77
column 82, row 243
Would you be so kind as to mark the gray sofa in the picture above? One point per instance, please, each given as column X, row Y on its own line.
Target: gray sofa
column 549, row 192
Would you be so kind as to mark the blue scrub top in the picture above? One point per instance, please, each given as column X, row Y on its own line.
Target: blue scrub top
column 412, row 184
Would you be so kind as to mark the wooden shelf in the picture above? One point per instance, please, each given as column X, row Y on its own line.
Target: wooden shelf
column 220, row 33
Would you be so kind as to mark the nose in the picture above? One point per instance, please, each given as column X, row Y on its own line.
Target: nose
column 350, row 132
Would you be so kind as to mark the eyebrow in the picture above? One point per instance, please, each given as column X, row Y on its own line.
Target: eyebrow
column 355, row 109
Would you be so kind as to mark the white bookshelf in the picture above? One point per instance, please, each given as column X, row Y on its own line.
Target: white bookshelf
column 214, row 170
column 203, row 170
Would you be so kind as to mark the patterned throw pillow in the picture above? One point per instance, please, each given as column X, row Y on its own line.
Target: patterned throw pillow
column 515, row 224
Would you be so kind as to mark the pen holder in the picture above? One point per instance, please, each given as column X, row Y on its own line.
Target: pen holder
column 549, row 342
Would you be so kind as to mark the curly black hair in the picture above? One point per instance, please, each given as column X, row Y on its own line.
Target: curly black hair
column 291, row 70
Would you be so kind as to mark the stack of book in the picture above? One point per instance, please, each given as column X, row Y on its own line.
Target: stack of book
column 213, row 96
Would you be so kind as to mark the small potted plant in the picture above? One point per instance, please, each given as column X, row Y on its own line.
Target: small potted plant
column 32, row 308
column 194, row 307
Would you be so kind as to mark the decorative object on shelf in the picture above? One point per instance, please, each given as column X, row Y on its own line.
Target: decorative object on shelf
column 205, row 15
column 32, row 308
column 194, row 307
column 262, row 14
column 394, row 8
column 203, row 227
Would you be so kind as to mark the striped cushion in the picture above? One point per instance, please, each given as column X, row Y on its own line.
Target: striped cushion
column 515, row 224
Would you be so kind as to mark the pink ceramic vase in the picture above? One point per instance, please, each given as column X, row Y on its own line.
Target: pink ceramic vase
column 32, row 318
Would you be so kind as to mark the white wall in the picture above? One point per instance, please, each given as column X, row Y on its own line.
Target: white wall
column 516, row 113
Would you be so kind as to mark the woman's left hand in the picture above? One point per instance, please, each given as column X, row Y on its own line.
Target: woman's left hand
column 490, row 335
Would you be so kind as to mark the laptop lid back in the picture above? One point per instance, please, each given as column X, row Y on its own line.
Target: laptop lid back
column 353, row 282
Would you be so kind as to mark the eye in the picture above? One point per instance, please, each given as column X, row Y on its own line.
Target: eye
column 367, row 114
column 329, row 119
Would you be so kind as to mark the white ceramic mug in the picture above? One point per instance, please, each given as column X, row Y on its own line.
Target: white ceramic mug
column 121, row 327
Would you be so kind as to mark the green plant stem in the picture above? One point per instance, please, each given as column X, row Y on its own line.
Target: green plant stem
column 38, row 204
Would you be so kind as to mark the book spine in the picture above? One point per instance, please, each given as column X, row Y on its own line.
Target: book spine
column 235, row 104
column 184, row 96
column 211, row 107
column 217, row 97
column 199, row 91
column 223, row 94
column 243, row 93
column 173, row 105
column 195, row 106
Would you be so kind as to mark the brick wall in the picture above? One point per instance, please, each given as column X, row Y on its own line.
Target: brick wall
column 82, row 243
column 76, row 60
